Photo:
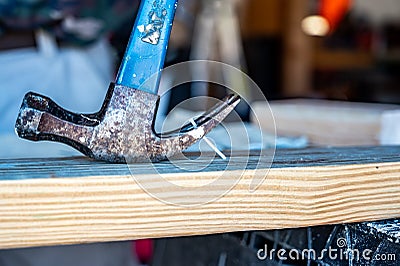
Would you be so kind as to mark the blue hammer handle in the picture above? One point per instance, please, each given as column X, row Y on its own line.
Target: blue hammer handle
column 148, row 44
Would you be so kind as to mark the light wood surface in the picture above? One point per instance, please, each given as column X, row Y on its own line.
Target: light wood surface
column 76, row 200
column 332, row 123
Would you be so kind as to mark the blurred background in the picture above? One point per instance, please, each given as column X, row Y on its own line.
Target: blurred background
column 340, row 50
column 330, row 69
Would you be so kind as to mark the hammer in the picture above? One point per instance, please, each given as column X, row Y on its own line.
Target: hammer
column 122, row 131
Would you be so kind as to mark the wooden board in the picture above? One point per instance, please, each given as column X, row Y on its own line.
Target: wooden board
column 75, row 200
column 332, row 123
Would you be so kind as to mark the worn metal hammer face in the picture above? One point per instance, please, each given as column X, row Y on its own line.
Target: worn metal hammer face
column 123, row 131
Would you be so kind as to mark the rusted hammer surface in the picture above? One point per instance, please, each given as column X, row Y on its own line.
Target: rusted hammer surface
column 122, row 131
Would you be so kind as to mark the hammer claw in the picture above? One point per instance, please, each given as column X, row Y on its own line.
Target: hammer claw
column 179, row 140
column 217, row 113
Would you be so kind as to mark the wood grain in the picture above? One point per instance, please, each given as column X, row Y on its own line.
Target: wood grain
column 303, row 188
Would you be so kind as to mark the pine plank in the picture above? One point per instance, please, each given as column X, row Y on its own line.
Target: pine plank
column 75, row 200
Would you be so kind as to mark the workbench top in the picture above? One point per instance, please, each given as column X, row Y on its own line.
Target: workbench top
column 77, row 200
column 16, row 169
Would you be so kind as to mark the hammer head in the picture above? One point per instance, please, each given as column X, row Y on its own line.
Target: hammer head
column 121, row 132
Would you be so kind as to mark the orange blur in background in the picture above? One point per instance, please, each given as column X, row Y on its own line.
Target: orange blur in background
column 334, row 11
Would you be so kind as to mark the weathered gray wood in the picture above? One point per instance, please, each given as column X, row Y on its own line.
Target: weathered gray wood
column 83, row 167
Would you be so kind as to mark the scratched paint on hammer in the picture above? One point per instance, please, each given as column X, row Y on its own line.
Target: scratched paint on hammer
column 145, row 53
column 152, row 31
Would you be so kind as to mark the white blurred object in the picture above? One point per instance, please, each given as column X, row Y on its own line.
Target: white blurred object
column 315, row 26
column 75, row 78
column 85, row 28
column 390, row 132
